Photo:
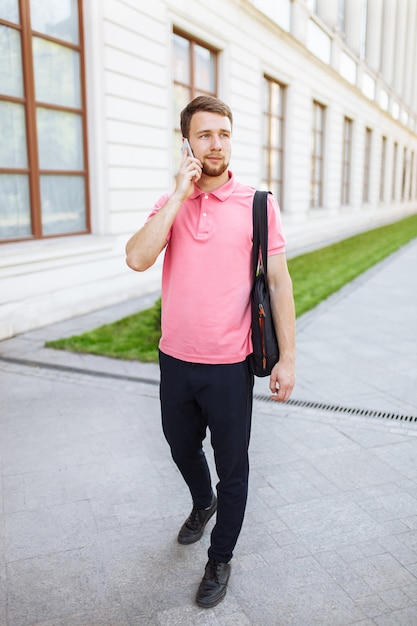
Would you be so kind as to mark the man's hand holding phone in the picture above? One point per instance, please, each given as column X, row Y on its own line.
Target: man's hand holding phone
column 190, row 170
column 186, row 146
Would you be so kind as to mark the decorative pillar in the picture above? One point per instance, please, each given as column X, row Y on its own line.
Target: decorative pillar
column 410, row 53
column 389, row 16
column 299, row 20
column 327, row 12
column 353, row 22
column 399, row 50
column 374, row 34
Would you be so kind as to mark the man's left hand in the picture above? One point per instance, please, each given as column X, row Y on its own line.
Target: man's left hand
column 281, row 382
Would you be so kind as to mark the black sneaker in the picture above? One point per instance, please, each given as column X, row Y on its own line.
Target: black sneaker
column 193, row 528
column 213, row 587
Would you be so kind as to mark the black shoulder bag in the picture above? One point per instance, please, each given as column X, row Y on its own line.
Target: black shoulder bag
column 265, row 345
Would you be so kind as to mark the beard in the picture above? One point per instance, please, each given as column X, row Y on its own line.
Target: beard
column 215, row 170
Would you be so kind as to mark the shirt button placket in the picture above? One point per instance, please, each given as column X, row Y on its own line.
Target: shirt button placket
column 203, row 226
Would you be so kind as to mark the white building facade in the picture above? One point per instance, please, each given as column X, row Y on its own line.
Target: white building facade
column 324, row 96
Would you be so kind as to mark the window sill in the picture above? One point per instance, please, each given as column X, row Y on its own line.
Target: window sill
column 30, row 256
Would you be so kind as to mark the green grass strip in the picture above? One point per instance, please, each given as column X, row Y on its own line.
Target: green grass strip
column 132, row 338
column 318, row 274
column 315, row 275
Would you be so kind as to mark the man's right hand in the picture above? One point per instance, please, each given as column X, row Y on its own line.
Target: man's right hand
column 143, row 248
column 189, row 173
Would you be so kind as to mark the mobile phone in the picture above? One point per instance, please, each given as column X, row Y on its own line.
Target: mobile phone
column 186, row 144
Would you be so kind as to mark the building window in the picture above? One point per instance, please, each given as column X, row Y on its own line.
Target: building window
column 415, row 182
column 43, row 155
column 367, row 164
column 394, row 172
column 194, row 68
column 346, row 160
column 414, row 195
column 382, row 170
column 273, row 138
column 317, row 156
column 404, row 176
column 410, row 187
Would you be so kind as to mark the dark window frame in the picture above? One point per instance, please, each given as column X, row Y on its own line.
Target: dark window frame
column 274, row 180
column 394, row 171
column 191, row 85
column 367, row 165
column 195, row 41
column 411, row 176
column 346, row 160
column 382, row 168
column 404, row 175
column 33, row 170
column 317, row 156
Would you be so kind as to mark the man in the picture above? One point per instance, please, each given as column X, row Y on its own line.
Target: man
column 206, row 226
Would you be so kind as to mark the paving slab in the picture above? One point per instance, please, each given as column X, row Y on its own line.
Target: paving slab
column 92, row 503
column 358, row 348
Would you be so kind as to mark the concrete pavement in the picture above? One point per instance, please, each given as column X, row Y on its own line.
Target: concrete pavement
column 91, row 501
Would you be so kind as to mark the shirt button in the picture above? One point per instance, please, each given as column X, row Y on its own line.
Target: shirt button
column 204, row 214
column 205, row 197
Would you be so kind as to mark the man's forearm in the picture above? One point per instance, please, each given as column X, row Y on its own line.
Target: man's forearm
column 144, row 247
column 282, row 305
column 282, row 379
column 283, row 313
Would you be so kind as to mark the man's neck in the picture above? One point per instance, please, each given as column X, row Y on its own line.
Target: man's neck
column 210, row 183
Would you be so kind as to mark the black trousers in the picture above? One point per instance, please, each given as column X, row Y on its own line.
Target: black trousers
column 195, row 396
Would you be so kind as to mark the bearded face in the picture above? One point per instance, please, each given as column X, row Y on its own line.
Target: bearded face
column 215, row 165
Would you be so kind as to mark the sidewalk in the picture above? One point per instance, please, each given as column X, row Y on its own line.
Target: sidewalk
column 92, row 501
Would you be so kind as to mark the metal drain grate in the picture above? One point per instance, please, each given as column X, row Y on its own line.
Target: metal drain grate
column 336, row 408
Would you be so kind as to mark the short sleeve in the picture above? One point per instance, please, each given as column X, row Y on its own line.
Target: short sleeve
column 160, row 203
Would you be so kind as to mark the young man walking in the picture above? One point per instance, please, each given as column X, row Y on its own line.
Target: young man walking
column 205, row 224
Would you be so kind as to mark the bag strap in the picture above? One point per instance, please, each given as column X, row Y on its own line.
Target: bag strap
column 260, row 231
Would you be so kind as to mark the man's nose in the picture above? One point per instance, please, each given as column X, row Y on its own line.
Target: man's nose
column 216, row 143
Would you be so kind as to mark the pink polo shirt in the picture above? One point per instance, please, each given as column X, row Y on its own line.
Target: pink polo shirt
column 206, row 280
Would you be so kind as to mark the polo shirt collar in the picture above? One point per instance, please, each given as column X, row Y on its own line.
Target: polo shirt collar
column 221, row 193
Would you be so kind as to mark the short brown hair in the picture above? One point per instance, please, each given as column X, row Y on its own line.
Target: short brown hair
column 203, row 103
